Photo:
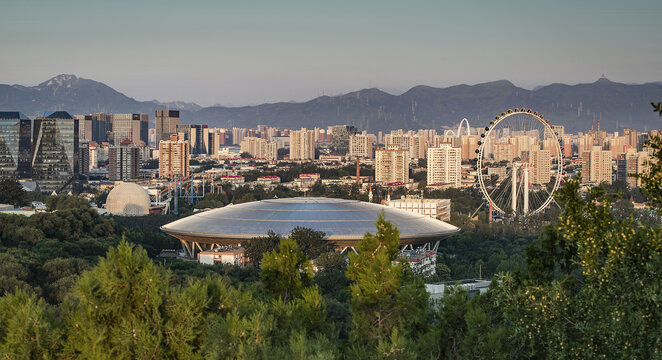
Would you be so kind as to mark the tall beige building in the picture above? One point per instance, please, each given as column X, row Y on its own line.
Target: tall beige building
column 259, row 148
column 596, row 166
column 166, row 124
column 173, row 157
column 302, row 144
column 392, row 165
column 503, row 152
column 469, row 145
column 541, row 166
column 418, row 147
column 630, row 163
column 360, row 146
column 445, row 165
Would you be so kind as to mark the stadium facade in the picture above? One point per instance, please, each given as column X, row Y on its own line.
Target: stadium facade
column 343, row 221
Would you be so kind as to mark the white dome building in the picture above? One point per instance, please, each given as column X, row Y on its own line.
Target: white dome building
column 128, row 199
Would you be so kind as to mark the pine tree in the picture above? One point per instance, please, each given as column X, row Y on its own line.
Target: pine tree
column 28, row 328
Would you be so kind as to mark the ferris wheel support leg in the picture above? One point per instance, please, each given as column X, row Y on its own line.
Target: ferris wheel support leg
column 513, row 195
column 526, row 190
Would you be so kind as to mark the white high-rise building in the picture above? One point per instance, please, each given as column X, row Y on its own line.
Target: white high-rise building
column 445, row 165
column 392, row 165
column 302, row 144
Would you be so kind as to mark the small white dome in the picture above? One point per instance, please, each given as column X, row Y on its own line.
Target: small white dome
column 128, row 199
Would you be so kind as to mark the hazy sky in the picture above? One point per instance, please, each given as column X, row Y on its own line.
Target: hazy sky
column 243, row 52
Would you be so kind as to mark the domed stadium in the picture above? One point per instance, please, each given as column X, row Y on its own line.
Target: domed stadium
column 128, row 199
column 343, row 221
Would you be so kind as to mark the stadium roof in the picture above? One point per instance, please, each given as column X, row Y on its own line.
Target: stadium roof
column 343, row 221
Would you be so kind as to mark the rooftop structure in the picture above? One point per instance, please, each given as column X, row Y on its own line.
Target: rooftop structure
column 343, row 221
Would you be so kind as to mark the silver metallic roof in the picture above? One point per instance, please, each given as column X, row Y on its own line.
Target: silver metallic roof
column 339, row 219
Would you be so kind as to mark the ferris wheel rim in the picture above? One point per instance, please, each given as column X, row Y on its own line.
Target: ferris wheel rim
column 481, row 149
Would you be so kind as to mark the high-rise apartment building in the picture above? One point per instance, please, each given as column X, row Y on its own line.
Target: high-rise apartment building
column 503, row 151
column 469, row 145
column 418, row 147
column 123, row 162
column 302, row 144
column 632, row 138
column 539, row 171
column 360, row 146
column 166, row 122
column 173, row 157
column 55, row 152
column 630, row 163
column 15, row 146
column 445, row 165
column 392, row 165
column 402, row 142
column 596, row 166
column 259, row 148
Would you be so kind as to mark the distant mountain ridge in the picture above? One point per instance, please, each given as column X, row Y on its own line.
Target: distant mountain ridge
column 77, row 96
column 577, row 107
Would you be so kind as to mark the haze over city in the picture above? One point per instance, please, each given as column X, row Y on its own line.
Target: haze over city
column 254, row 52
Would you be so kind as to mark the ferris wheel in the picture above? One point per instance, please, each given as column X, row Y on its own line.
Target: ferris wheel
column 519, row 163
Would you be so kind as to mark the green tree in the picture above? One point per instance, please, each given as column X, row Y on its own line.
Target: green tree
column 124, row 308
column 286, row 272
column 652, row 180
column 310, row 242
column 257, row 247
column 602, row 294
column 28, row 328
column 12, row 193
column 385, row 302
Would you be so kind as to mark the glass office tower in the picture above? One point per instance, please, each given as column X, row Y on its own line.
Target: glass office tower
column 55, row 152
column 15, row 147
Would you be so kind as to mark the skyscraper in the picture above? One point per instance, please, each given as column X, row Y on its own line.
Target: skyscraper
column 15, row 147
column 124, row 162
column 196, row 135
column 392, row 165
column 55, row 152
column 128, row 126
column 302, row 144
column 173, row 157
column 445, row 165
column 166, row 124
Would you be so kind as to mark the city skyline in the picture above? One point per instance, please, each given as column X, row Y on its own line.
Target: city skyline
column 261, row 52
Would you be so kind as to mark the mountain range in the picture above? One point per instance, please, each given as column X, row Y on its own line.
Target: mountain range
column 577, row 107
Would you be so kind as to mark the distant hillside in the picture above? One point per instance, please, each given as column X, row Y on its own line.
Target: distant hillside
column 76, row 96
column 575, row 106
